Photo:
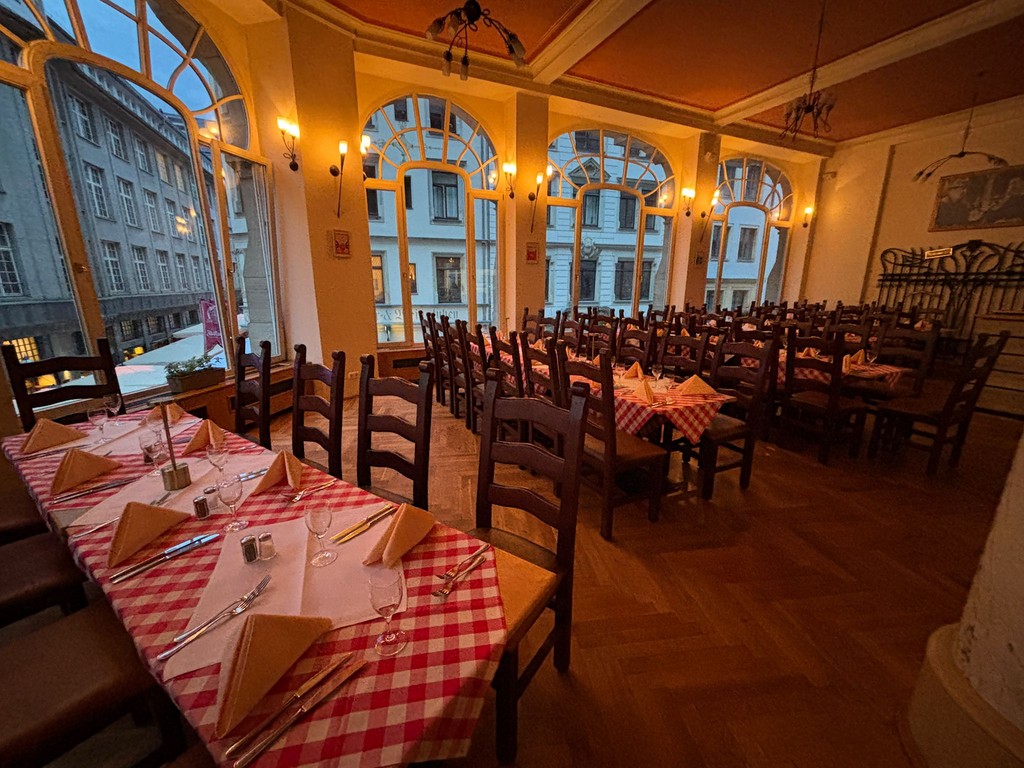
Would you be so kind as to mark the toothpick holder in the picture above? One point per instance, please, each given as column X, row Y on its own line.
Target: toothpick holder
column 175, row 478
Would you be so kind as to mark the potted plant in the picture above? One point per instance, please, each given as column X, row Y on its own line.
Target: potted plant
column 194, row 373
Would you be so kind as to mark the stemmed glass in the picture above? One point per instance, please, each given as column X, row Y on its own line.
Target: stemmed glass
column 98, row 418
column 318, row 521
column 155, row 449
column 112, row 403
column 385, row 597
column 218, row 456
column 229, row 491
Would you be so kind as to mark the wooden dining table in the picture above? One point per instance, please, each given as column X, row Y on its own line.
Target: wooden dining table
column 422, row 704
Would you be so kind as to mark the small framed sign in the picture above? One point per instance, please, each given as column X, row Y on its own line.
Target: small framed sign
column 341, row 247
column 532, row 253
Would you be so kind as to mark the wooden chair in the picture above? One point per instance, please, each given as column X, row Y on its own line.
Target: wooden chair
column 418, row 433
column 36, row 573
column 609, row 452
column 474, row 350
column 664, row 316
column 574, row 333
column 683, row 356
column 19, row 373
column 943, row 419
column 456, row 366
column 537, row 578
column 506, row 359
column 538, row 326
column 637, row 345
column 252, row 396
column 430, row 348
column 904, row 347
column 540, row 372
column 854, row 336
column 817, row 405
column 304, row 401
column 602, row 336
column 442, row 361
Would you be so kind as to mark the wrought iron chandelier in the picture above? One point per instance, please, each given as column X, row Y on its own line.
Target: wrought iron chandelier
column 459, row 22
column 996, row 162
column 814, row 104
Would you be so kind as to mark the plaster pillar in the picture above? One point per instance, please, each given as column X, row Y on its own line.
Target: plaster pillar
column 526, row 118
column 968, row 705
column 708, row 149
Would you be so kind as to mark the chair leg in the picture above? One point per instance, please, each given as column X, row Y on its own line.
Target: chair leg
column 936, row 451
column 748, row 460
column 657, row 472
column 74, row 601
column 958, row 444
column 876, row 435
column 858, row 433
column 607, row 505
column 506, row 684
column 708, row 462
column 563, row 626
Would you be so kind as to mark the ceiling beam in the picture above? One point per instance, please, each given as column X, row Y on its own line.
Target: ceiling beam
column 966, row 21
column 591, row 27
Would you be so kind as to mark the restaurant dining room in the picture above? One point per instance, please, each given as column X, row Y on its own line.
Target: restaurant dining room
column 567, row 383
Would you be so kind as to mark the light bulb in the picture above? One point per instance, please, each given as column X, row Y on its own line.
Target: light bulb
column 282, row 125
column 550, row 170
column 342, row 147
column 808, row 210
column 540, row 179
column 508, row 167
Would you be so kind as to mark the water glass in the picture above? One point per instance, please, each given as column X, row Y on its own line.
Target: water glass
column 218, row 456
column 385, row 597
column 318, row 521
column 229, row 491
column 98, row 418
column 155, row 451
column 112, row 403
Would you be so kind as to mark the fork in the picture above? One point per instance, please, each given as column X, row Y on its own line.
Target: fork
column 447, row 588
column 306, row 491
column 452, row 572
column 240, row 606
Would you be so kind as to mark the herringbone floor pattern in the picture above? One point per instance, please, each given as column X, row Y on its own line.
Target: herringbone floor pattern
column 779, row 626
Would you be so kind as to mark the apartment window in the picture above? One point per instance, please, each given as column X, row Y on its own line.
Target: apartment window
column 190, row 224
column 716, row 241
column 412, row 279
column 651, row 201
column 445, row 187
column 179, row 260
column 709, row 299
column 592, row 209
column 155, row 325
column 627, row 211
column 163, row 260
column 449, row 279
column 646, row 270
column 437, row 118
column 179, row 177
column 151, row 210
column 26, row 348
column 624, row 280
column 377, row 267
column 97, row 191
column 141, row 268
column 127, row 192
column 10, row 282
column 739, row 299
column 588, row 279
column 84, row 124
column 197, row 273
column 547, row 280
column 172, row 217
column 112, row 266
column 402, row 111
column 372, row 200
column 142, row 155
column 131, row 329
column 748, row 236
column 587, row 141
column 162, row 167
column 115, row 137
column 408, row 192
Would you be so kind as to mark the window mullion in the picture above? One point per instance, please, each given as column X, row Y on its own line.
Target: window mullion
column 225, row 292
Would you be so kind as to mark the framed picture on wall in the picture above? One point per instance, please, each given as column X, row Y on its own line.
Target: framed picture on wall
column 980, row 200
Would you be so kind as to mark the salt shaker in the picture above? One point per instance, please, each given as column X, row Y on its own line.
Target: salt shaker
column 266, row 546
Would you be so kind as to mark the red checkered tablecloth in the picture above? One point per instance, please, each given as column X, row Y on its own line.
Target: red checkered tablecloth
column 689, row 414
column 420, row 705
column 890, row 374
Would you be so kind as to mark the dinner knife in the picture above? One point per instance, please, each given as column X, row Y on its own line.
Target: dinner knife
column 305, row 688
column 305, row 708
column 363, row 525
column 171, row 552
column 93, row 489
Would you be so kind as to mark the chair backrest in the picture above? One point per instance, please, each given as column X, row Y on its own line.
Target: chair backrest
column 418, row 432
column 456, row 354
column 252, row 396
column 824, row 372
column 475, row 350
column 748, row 372
column 855, row 336
column 505, row 357
column 602, row 335
column 684, row 355
column 538, row 326
column 567, row 427
column 908, row 348
column 28, row 401
column 600, row 396
column 663, row 315
column 636, row 345
column 428, row 339
column 305, row 399
column 973, row 375
column 574, row 332
column 540, row 371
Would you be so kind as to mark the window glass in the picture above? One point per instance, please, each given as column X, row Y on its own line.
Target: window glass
column 387, row 271
column 449, row 279
column 657, row 257
column 485, row 221
column 592, row 209
column 446, row 191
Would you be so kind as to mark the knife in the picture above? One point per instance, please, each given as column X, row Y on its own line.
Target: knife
column 305, row 688
column 171, row 552
column 252, row 475
column 363, row 525
column 93, row 489
column 304, row 708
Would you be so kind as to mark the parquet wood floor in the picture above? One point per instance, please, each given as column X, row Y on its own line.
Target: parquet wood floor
column 779, row 626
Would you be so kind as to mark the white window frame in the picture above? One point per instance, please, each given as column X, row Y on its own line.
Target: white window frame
column 142, row 155
column 126, row 191
column 96, row 185
column 115, row 138
column 112, row 266
column 141, row 264
column 85, row 123
column 163, row 260
column 151, row 201
column 10, row 280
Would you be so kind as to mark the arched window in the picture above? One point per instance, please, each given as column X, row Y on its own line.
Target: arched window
column 611, row 210
column 431, row 173
column 750, row 221
column 164, row 243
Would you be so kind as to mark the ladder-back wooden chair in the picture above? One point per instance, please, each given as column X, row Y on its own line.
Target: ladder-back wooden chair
column 306, row 400
column 252, row 395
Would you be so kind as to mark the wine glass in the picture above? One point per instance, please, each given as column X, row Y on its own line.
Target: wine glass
column 318, row 520
column 112, row 403
column 229, row 491
column 98, row 418
column 218, row 456
column 154, row 449
column 385, row 597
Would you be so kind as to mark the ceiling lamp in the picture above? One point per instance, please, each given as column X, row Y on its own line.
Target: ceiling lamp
column 814, row 104
column 996, row 162
column 459, row 22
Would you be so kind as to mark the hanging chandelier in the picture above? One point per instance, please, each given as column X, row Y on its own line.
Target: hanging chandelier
column 817, row 105
column 994, row 160
column 458, row 23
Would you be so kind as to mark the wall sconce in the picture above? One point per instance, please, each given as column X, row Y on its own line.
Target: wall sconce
column 364, row 146
column 337, row 170
column 808, row 212
column 704, row 215
column 290, row 136
column 688, row 193
column 535, row 195
column 509, row 169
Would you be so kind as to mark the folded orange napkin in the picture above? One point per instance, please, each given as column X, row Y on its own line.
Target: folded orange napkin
column 207, row 433
column 749, row 327
column 695, row 385
column 77, row 467
column 859, row 357
column 539, row 344
column 174, row 413
column 847, row 364
column 759, row 344
column 262, row 650
column 634, row 372
column 408, row 528
column 285, row 467
column 684, row 333
column 596, row 361
column 139, row 525
column 922, row 325
column 48, row 434
column 645, row 392
column 807, row 352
